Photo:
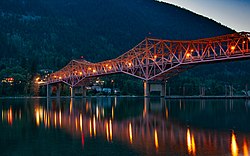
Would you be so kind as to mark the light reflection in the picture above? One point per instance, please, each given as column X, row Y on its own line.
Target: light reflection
column 245, row 148
column 190, row 143
column 55, row 119
column 107, row 131
column 193, row 144
column 76, row 123
column 82, row 140
column 94, row 125
column 90, row 128
column 130, row 133
column 37, row 117
column 166, row 112
column 80, row 122
column 71, row 106
column 2, row 115
column 10, row 116
column 156, row 140
column 60, row 118
column 112, row 112
column 97, row 112
column 113, row 129
column 110, row 130
column 234, row 146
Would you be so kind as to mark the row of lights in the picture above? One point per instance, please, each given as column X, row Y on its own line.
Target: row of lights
column 189, row 54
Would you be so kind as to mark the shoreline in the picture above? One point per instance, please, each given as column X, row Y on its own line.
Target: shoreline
column 130, row 96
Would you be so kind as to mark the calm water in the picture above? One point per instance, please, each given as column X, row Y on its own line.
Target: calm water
column 124, row 126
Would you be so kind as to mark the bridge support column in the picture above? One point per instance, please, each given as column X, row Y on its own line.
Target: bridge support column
column 58, row 90
column 146, row 87
column 84, row 91
column 72, row 92
column 154, row 87
column 48, row 91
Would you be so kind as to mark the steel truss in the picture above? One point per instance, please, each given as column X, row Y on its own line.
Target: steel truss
column 159, row 59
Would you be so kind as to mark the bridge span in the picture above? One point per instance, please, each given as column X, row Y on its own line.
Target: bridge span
column 156, row 60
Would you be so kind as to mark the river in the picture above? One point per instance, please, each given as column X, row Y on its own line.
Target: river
column 124, row 126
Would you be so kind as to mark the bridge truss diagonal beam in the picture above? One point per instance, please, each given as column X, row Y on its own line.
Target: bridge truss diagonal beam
column 159, row 59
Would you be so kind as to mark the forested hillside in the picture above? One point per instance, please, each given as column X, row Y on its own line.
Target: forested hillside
column 46, row 34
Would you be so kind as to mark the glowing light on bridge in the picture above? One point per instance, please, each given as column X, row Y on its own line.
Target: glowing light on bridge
column 130, row 133
column 234, row 146
column 156, row 139
column 188, row 55
column 176, row 55
column 232, row 48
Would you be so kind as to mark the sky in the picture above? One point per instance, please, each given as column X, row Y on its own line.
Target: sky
column 232, row 13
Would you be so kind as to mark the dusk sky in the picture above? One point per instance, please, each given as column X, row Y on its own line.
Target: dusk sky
column 232, row 13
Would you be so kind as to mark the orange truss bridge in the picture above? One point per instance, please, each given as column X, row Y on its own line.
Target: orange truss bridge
column 157, row 59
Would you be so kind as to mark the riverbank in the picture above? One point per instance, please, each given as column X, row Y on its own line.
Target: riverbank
column 124, row 96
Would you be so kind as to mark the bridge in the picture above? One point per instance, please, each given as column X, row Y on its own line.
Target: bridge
column 155, row 60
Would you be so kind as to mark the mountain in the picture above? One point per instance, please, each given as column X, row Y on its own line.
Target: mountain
column 46, row 34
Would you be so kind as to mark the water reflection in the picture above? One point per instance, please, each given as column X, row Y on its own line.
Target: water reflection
column 151, row 127
column 234, row 146
column 9, row 115
column 190, row 143
column 245, row 148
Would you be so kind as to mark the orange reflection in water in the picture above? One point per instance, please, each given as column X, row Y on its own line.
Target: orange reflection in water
column 130, row 133
column 190, row 143
column 94, row 125
column 234, row 146
column 60, row 118
column 245, row 148
column 10, row 116
column 37, row 117
column 55, row 118
column 90, row 128
column 107, row 131
column 110, row 130
column 156, row 140
column 80, row 122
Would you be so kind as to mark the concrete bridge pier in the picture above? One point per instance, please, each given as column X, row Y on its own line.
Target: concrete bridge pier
column 151, row 88
column 84, row 91
column 72, row 92
column 49, row 91
column 58, row 90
